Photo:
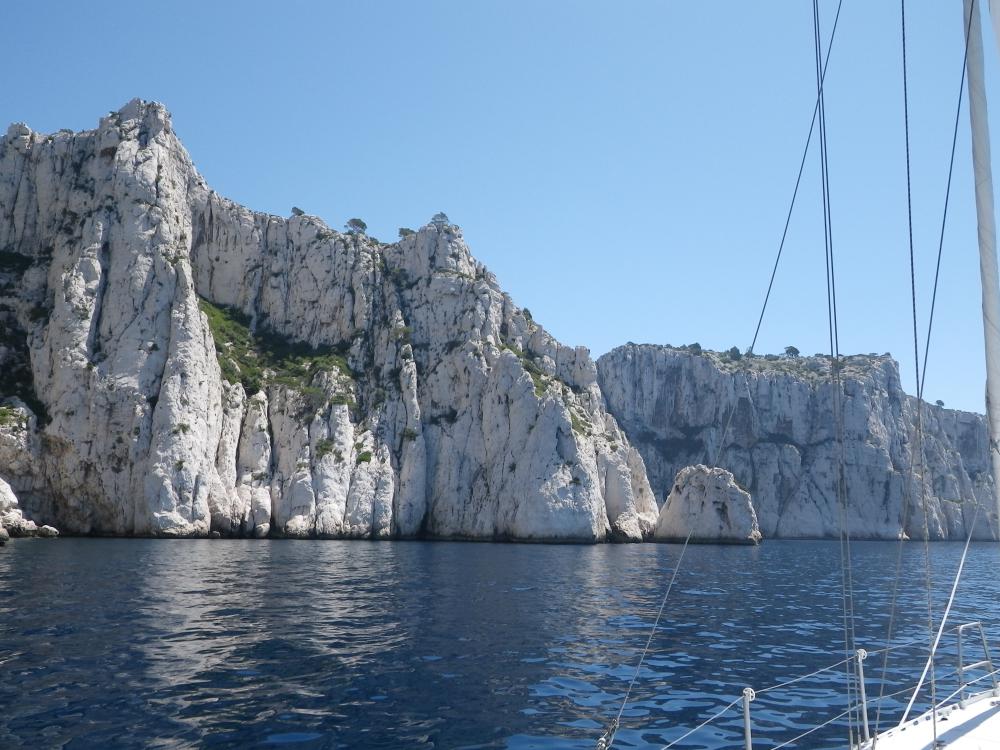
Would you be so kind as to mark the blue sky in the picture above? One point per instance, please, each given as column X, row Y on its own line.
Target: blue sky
column 624, row 168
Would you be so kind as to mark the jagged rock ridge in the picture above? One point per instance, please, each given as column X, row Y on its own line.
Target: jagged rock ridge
column 674, row 405
column 192, row 366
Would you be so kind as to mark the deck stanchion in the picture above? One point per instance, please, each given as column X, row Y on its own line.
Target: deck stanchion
column 748, row 696
column 961, row 668
column 862, row 655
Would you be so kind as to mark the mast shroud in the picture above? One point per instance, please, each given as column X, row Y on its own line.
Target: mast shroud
column 987, row 233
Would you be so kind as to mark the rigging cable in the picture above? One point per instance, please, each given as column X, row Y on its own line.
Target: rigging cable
column 918, row 448
column 798, row 179
column 606, row 740
column 923, row 373
column 944, row 216
column 608, row 737
column 720, row 449
column 704, row 724
column 847, row 579
column 937, row 639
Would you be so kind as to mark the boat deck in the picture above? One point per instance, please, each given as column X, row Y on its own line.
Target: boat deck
column 976, row 726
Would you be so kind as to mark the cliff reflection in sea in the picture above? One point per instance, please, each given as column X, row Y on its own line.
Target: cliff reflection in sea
column 139, row 643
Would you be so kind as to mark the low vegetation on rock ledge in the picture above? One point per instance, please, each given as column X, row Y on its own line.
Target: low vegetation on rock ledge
column 814, row 368
column 258, row 358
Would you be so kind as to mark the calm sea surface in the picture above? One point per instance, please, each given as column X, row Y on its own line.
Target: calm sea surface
column 325, row 644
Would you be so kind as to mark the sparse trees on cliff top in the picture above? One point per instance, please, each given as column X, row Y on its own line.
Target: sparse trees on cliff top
column 355, row 226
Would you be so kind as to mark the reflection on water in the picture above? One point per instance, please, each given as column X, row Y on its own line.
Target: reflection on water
column 131, row 643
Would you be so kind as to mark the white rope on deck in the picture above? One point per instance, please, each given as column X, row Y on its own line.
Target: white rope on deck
column 966, row 685
column 937, row 638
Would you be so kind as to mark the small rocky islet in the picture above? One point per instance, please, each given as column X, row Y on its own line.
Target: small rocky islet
column 174, row 364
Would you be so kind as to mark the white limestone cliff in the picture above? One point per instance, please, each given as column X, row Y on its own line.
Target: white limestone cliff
column 183, row 365
column 705, row 505
column 193, row 366
column 12, row 521
column 16, row 455
column 780, row 445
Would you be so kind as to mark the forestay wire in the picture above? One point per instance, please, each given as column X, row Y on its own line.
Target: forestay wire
column 720, row 448
column 847, row 578
column 659, row 614
column 937, row 638
column 918, row 448
column 922, row 367
column 607, row 738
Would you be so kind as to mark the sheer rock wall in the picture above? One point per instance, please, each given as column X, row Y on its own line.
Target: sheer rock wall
column 430, row 404
column 781, row 446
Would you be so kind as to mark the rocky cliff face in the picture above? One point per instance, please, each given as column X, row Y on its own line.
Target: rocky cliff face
column 188, row 365
column 780, row 445
column 172, row 363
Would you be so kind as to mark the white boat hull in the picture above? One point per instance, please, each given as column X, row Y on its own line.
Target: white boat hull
column 973, row 724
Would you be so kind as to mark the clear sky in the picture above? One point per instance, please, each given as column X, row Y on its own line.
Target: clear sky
column 623, row 167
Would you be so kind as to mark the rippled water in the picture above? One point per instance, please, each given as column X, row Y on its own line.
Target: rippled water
column 155, row 643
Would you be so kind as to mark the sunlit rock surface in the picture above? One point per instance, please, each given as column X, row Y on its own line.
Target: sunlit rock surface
column 194, row 366
column 705, row 505
column 674, row 406
column 16, row 457
column 180, row 365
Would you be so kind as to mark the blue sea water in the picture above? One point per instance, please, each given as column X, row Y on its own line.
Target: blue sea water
column 328, row 644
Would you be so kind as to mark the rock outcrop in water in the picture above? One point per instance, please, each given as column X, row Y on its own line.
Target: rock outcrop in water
column 189, row 365
column 705, row 505
column 16, row 456
column 674, row 406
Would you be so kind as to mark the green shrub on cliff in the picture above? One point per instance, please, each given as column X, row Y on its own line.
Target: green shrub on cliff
column 256, row 359
column 9, row 416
